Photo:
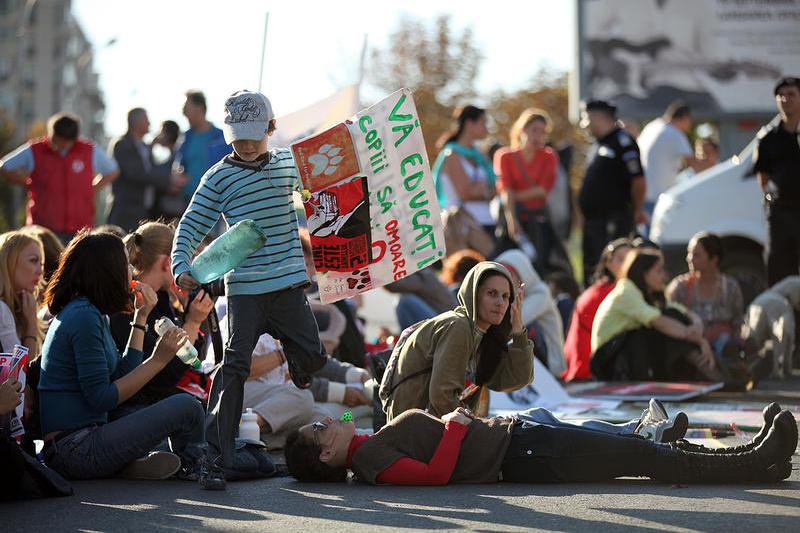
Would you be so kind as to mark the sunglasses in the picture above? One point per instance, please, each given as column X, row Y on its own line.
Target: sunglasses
column 316, row 427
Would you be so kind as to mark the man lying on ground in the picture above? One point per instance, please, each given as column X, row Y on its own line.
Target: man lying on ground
column 417, row 448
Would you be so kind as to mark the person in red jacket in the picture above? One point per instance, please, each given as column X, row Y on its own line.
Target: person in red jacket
column 578, row 345
column 417, row 448
column 62, row 173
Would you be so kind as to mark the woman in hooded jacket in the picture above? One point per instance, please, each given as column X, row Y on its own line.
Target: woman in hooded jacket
column 441, row 363
column 538, row 306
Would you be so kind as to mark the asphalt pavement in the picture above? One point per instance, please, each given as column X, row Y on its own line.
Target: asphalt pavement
column 283, row 504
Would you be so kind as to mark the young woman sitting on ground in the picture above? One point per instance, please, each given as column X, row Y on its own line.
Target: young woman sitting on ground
column 715, row 297
column 21, row 262
column 84, row 376
column 149, row 249
column 578, row 346
column 636, row 335
column 418, row 448
column 445, row 361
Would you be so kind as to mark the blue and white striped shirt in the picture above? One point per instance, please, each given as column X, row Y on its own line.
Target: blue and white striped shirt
column 263, row 194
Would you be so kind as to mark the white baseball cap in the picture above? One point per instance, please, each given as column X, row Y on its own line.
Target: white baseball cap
column 247, row 116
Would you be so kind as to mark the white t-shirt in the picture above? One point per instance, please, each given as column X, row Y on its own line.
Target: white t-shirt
column 664, row 148
column 479, row 210
column 265, row 345
column 8, row 329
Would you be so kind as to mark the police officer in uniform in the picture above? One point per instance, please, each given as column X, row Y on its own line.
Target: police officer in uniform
column 777, row 163
column 612, row 195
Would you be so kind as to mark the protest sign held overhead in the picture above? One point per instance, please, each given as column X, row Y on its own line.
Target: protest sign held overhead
column 371, row 203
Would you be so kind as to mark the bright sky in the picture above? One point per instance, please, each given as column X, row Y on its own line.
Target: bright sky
column 164, row 47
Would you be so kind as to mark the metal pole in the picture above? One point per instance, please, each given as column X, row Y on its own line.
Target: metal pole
column 263, row 53
column 361, row 66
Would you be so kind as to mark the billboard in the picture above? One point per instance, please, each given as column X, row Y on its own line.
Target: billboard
column 722, row 57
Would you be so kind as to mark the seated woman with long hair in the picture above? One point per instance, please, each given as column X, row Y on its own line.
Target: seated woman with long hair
column 445, row 361
column 149, row 249
column 715, row 297
column 418, row 448
column 578, row 346
column 636, row 335
column 84, row 376
column 21, row 262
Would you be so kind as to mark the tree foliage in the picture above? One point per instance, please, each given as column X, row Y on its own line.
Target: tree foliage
column 548, row 90
column 437, row 63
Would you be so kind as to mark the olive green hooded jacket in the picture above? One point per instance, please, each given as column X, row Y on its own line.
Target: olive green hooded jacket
column 428, row 370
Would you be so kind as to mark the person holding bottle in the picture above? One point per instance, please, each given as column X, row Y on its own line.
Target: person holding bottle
column 266, row 291
column 149, row 250
column 84, row 376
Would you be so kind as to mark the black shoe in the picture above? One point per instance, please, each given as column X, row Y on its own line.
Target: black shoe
column 675, row 465
column 781, row 441
column 769, row 413
column 301, row 379
column 210, row 475
column 302, row 376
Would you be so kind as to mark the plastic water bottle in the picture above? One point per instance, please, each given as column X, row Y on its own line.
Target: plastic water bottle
column 248, row 427
column 187, row 352
column 228, row 251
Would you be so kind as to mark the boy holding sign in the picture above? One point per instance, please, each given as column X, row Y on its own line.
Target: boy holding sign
column 265, row 293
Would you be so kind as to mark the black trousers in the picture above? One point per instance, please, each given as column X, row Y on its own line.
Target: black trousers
column 540, row 453
column 598, row 231
column 784, row 243
column 646, row 354
column 284, row 314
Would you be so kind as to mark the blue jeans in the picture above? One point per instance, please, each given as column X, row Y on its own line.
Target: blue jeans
column 103, row 450
column 411, row 309
column 539, row 415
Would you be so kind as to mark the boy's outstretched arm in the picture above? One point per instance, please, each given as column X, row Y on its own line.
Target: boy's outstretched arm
column 196, row 222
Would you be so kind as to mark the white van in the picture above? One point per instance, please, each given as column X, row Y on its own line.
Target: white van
column 724, row 199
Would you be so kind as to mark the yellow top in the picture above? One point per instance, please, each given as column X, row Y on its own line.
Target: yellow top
column 624, row 309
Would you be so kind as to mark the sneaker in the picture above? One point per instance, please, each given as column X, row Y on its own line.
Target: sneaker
column 669, row 430
column 155, row 465
column 210, row 475
column 655, row 412
column 188, row 471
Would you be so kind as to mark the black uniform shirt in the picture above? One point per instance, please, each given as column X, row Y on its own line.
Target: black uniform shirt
column 778, row 155
column 612, row 165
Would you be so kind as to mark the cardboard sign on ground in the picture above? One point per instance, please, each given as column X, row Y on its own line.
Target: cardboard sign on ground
column 644, row 390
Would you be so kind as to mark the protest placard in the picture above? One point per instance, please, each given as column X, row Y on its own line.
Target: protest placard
column 14, row 366
column 371, row 203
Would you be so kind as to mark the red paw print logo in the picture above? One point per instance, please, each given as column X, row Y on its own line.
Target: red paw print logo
column 360, row 280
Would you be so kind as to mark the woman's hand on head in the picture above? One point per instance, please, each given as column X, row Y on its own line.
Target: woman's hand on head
column 145, row 299
column 199, row 307
column 517, row 326
column 168, row 344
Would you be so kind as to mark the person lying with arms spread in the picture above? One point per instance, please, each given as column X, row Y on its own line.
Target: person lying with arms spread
column 417, row 448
